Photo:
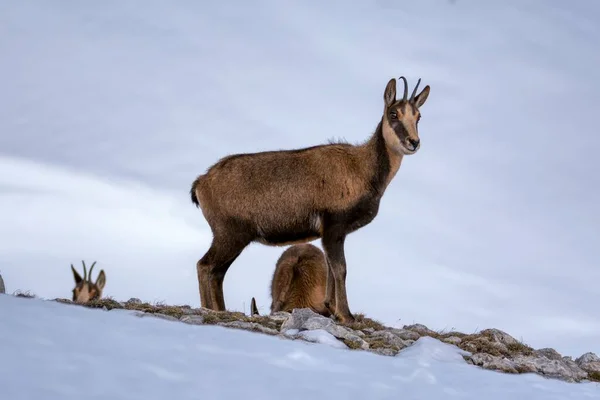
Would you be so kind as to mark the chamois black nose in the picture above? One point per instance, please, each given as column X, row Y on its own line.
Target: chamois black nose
column 414, row 142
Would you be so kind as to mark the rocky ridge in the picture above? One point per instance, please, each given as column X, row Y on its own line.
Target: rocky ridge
column 490, row 349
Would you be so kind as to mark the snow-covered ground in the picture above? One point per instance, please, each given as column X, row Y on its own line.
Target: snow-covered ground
column 54, row 351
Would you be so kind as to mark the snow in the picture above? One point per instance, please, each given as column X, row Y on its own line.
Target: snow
column 52, row 351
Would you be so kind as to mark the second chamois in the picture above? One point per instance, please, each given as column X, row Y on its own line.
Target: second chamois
column 299, row 280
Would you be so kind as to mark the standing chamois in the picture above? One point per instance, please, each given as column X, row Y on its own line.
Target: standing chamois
column 296, row 196
column 85, row 290
column 299, row 281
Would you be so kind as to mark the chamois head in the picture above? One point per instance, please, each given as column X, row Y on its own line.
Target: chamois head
column 85, row 290
column 401, row 117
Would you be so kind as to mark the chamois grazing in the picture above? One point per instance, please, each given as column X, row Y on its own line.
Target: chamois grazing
column 295, row 196
column 299, row 280
column 85, row 290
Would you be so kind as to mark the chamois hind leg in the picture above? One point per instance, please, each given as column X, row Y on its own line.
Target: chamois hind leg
column 213, row 267
column 333, row 244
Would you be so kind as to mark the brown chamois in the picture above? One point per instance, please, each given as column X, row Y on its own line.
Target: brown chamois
column 295, row 196
column 85, row 290
column 299, row 281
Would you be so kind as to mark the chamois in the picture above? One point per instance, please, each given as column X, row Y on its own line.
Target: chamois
column 294, row 196
column 85, row 290
column 299, row 280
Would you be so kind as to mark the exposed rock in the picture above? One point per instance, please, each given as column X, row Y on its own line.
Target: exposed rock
column 304, row 319
column 455, row 340
column 405, row 334
column 368, row 331
column 498, row 336
column 384, row 351
column 488, row 361
column 133, row 300
column 249, row 326
column 280, row 316
column 589, row 362
column 157, row 315
column 420, row 329
column 192, row 319
column 544, row 362
column 555, row 368
column 550, row 354
column 2, row 287
column 391, row 339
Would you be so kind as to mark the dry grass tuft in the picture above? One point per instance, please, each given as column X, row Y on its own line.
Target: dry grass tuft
column 362, row 322
column 594, row 376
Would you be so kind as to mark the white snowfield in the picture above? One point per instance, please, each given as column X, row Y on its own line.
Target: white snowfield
column 53, row 351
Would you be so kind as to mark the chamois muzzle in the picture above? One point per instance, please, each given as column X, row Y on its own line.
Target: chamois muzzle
column 412, row 144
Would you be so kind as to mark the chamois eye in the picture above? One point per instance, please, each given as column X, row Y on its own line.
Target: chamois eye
column 393, row 115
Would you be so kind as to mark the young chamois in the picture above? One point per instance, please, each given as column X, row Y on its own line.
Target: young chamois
column 294, row 196
column 85, row 290
column 299, row 281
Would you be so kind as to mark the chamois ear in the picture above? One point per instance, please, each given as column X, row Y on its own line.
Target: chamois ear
column 76, row 275
column 101, row 280
column 422, row 97
column 389, row 96
column 253, row 308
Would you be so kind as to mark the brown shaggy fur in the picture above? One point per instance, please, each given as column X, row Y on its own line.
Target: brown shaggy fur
column 85, row 290
column 295, row 196
column 299, row 280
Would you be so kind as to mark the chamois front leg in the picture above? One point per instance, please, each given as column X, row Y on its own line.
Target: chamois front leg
column 333, row 244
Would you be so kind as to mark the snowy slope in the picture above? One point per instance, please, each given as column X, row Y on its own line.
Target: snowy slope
column 54, row 351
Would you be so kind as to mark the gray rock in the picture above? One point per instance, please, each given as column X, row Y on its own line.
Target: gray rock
column 550, row 354
column 133, row 300
column 542, row 362
column 192, row 319
column 2, row 287
column 390, row 339
column 384, row 351
column 280, row 316
column 589, row 362
column 554, row 368
column 498, row 336
column 488, row 361
column 455, row 340
column 405, row 334
column 304, row 319
column 368, row 331
column 249, row 326
column 419, row 328
column 142, row 314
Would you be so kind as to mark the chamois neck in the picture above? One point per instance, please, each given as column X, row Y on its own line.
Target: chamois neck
column 384, row 161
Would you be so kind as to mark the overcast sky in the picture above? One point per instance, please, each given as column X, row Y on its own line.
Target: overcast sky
column 109, row 110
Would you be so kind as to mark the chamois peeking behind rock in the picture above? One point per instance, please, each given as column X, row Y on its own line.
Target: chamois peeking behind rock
column 294, row 196
column 85, row 290
column 299, row 280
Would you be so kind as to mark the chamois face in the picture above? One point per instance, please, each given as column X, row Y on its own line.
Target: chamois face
column 401, row 118
column 85, row 290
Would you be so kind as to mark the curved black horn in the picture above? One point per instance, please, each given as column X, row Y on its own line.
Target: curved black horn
column 84, row 270
column 405, row 88
column 412, row 96
column 91, row 268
